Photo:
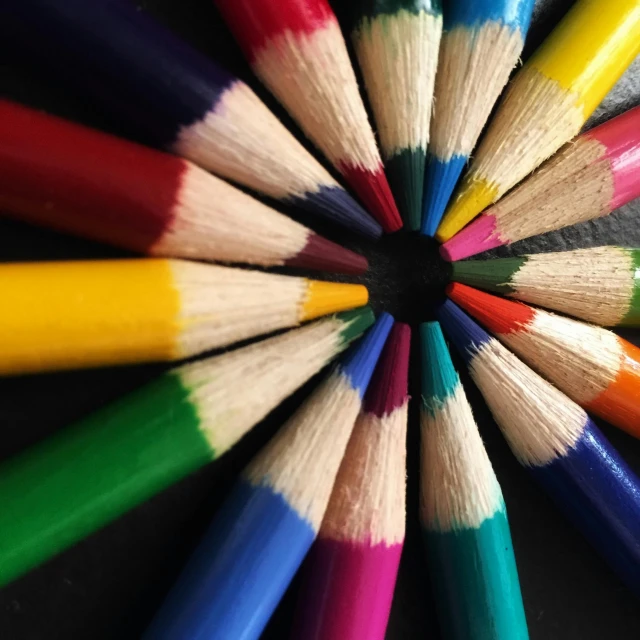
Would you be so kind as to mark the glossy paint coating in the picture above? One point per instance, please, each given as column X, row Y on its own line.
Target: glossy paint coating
column 374, row 8
column 472, row 13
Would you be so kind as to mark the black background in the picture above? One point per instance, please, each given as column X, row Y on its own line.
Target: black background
column 108, row 586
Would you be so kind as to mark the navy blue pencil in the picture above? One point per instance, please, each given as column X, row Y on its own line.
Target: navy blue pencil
column 558, row 443
column 177, row 98
column 256, row 543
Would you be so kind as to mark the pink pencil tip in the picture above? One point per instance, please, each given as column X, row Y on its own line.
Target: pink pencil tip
column 479, row 236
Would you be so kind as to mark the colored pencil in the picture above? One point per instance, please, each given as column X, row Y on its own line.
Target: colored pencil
column 85, row 476
column 177, row 99
column 558, row 443
column 464, row 518
column 594, row 367
column 297, row 50
column 481, row 44
column 62, row 315
column 588, row 178
column 599, row 285
column 547, row 102
column 62, row 175
column 256, row 543
column 351, row 571
column 397, row 43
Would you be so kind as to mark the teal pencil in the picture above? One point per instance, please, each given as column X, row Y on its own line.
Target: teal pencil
column 463, row 514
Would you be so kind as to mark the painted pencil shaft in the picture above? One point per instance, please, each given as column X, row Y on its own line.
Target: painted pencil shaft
column 555, row 439
column 256, row 543
column 62, row 315
column 350, row 574
column 594, row 367
column 297, row 49
column 397, row 42
column 175, row 98
column 589, row 178
column 599, row 285
column 89, row 474
column 82, row 181
column 481, row 44
column 547, row 102
column 463, row 514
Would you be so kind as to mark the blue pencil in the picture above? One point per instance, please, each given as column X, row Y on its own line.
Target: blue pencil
column 463, row 514
column 559, row 444
column 481, row 43
column 256, row 543
column 176, row 99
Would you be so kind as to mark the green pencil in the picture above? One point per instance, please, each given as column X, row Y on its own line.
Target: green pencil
column 94, row 471
column 397, row 44
column 462, row 510
column 599, row 285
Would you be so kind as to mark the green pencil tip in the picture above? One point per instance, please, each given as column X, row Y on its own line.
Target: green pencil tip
column 405, row 172
column 439, row 378
column 491, row 275
column 356, row 322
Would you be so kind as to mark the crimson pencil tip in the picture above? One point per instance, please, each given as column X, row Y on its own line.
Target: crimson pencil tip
column 322, row 254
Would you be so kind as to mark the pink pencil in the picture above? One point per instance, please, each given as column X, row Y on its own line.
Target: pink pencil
column 351, row 571
column 588, row 178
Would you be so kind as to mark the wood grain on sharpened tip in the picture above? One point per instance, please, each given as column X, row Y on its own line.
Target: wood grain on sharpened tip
column 599, row 285
column 547, row 102
column 79, row 180
column 396, row 42
column 176, row 98
column 349, row 577
column 87, row 475
column 481, row 44
column 588, row 178
column 297, row 49
column 65, row 315
column 557, row 442
column 594, row 367
column 257, row 541
column 464, row 518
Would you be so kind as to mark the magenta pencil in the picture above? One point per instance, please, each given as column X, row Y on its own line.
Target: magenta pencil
column 351, row 571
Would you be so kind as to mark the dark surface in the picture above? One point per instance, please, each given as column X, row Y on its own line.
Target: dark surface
column 108, row 586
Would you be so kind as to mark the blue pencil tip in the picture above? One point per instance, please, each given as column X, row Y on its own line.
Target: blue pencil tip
column 336, row 205
column 465, row 334
column 440, row 181
column 360, row 361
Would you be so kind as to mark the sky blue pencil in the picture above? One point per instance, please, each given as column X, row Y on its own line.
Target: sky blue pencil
column 244, row 564
column 463, row 514
column 481, row 43
column 562, row 448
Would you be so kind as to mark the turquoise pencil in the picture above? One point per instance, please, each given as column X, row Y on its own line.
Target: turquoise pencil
column 463, row 514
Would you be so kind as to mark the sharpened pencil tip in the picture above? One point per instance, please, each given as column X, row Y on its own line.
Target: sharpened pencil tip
column 323, row 255
column 324, row 298
column 405, row 172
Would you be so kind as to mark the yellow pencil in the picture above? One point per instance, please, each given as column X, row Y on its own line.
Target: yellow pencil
column 62, row 315
column 548, row 101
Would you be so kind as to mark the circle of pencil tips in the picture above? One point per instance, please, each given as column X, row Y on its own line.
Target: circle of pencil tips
column 481, row 44
column 397, row 42
column 464, row 518
column 297, row 50
column 594, row 367
column 62, row 315
column 67, row 487
column 599, row 285
column 177, row 99
column 547, row 102
column 257, row 541
column 557, row 442
column 349, row 577
column 82, row 181
column 588, row 178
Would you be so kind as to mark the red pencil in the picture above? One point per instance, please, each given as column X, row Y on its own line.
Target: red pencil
column 82, row 181
column 297, row 49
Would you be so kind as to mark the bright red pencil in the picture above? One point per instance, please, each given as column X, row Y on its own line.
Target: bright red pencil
column 297, row 49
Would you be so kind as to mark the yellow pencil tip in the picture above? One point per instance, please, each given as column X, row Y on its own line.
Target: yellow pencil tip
column 472, row 199
column 330, row 297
